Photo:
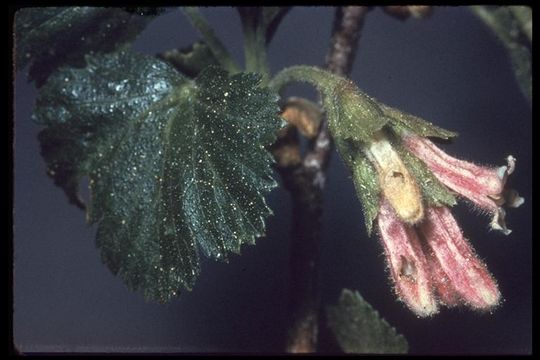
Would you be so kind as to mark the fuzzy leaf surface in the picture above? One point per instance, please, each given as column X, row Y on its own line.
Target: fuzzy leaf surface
column 175, row 166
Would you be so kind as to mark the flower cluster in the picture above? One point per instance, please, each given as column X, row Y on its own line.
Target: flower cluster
column 430, row 261
column 406, row 185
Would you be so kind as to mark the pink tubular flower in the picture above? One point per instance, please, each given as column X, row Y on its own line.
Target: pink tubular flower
column 483, row 186
column 408, row 265
column 431, row 264
column 467, row 276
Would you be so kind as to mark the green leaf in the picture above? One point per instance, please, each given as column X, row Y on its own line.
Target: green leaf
column 174, row 165
column 359, row 328
column 513, row 27
column 49, row 37
column 145, row 10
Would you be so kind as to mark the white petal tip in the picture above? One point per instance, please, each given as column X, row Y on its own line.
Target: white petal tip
column 518, row 201
column 425, row 311
column 498, row 223
column 489, row 298
column 501, row 172
column 504, row 230
column 511, row 164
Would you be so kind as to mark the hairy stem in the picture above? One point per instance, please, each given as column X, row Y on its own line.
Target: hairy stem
column 210, row 38
column 319, row 78
column 255, row 48
column 305, row 183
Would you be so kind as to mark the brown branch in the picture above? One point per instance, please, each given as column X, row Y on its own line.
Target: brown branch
column 404, row 12
column 305, row 182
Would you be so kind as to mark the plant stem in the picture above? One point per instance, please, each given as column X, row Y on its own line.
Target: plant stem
column 210, row 38
column 259, row 25
column 319, row 78
column 305, row 183
column 255, row 49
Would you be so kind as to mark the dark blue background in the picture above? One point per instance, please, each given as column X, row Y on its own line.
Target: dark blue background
column 449, row 69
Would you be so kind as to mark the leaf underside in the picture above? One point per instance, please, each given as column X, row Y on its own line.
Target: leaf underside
column 175, row 166
column 359, row 328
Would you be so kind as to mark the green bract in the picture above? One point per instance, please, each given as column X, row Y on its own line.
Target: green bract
column 174, row 165
column 366, row 183
column 402, row 122
column 433, row 191
column 351, row 113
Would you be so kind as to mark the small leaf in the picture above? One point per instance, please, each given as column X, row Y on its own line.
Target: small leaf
column 50, row 37
column 359, row 329
column 191, row 60
column 173, row 164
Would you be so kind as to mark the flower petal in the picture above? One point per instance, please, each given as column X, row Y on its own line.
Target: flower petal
column 409, row 268
column 445, row 291
column 476, row 183
column 468, row 275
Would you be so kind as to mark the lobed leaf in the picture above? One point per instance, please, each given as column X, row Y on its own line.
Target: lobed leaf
column 174, row 165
